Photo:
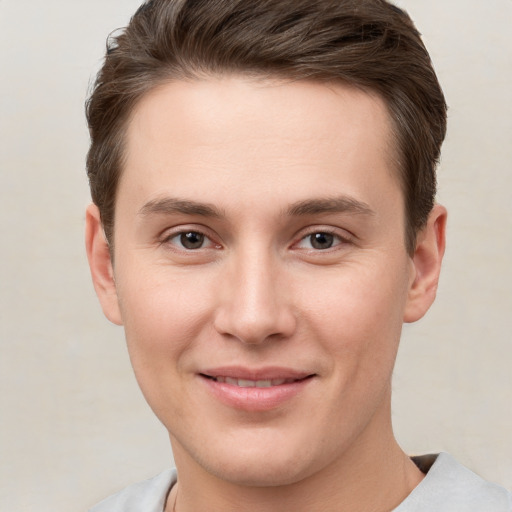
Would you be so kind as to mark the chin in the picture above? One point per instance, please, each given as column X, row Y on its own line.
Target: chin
column 268, row 461
column 260, row 472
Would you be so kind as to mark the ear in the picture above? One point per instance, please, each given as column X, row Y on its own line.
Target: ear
column 100, row 263
column 426, row 263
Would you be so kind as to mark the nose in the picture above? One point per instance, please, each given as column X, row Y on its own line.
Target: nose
column 253, row 302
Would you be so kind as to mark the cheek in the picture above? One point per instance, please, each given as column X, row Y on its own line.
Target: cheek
column 164, row 318
column 162, row 313
column 357, row 314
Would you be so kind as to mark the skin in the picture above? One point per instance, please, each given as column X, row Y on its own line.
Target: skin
column 270, row 165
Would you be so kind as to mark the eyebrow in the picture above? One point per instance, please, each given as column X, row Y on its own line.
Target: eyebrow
column 171, row 205
column 341, row 204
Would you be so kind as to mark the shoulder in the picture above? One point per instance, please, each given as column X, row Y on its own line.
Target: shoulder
column 450, row 487
column 149, row 495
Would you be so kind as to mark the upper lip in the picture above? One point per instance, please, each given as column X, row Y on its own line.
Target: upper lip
column 256, row 374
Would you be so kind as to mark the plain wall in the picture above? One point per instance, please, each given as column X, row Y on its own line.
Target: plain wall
column 74, row 426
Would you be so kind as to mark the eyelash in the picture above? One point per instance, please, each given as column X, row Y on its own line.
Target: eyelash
column 169, row 237
column 338, row 240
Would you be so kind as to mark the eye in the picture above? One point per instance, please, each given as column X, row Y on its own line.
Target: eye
column 189, row 240
column 320, row 241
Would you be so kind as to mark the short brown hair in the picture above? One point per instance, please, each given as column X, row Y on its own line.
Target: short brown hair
column 366, row 43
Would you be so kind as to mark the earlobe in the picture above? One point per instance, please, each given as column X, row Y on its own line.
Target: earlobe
column 426, row 261
column 98, row 254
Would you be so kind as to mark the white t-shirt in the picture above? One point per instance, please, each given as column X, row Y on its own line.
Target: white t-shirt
column 447, row 487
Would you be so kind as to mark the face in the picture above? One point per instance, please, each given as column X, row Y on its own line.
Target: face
column 261, row 273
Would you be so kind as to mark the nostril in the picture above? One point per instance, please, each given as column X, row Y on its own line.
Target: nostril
column 254, row 326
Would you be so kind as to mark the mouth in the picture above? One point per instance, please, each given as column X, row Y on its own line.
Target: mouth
column 256, row 390
column 250, row 383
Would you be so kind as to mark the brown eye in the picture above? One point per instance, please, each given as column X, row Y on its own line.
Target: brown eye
column 321, row 240
column 192, row 240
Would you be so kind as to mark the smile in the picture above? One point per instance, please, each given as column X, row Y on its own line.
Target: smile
column 256, row 392
column 247, row 383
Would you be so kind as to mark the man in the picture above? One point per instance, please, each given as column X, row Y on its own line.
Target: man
column 264, row 221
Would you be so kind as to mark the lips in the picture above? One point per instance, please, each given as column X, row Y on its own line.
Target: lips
column 255, row 390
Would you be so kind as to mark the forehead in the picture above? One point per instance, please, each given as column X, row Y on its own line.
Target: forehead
column 237, row 134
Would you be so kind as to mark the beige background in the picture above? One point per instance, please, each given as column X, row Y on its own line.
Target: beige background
column 74, row 426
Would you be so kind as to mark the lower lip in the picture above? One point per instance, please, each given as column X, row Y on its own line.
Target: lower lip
column 255, row 399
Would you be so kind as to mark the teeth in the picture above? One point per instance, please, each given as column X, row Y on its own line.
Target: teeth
column 240, row 382
column 246, row 383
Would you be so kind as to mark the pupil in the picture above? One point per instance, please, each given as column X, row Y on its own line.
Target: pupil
column 192, row 240
column 322, row 240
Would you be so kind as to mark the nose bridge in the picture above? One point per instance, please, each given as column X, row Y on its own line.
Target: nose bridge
column 255, row 305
